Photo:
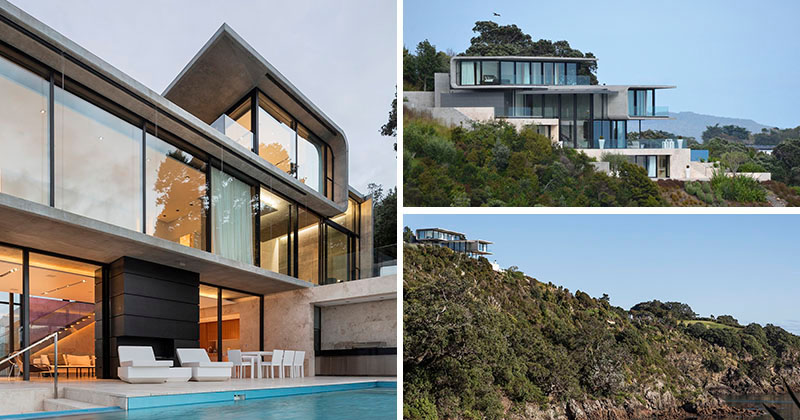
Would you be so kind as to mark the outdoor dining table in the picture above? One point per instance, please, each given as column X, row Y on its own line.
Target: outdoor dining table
column 258, row 355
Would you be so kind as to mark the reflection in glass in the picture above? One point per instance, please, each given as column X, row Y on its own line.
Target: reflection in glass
column 98, row 163
column 309, row 161
column 276, row 138
column 24, row 125
column 548, row 73
column 572, row 73
column 10, row 290
column 175, row 189
column 233, row 210
column 308, row 246
column 536, row 72
column 560, row 73
column 567, row 130
column 337, row 256
column 506, row 72
column 523, row 73
column 275, row 232
column 490, row 72
column 208, row 320
column 583, row 120
column 62, row 299
column 550, row 106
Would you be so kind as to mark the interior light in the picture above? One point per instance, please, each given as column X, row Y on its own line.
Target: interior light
column 43, row 111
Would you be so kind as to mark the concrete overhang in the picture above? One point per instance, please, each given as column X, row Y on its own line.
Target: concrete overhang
column 47, row 46
column 227, row 68
column 28, row 224
column 526, row 58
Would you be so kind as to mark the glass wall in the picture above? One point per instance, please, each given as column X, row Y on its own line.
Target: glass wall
column 239, row 328
column 309, row 161
column 233, row 207
column 550, row 106
column 10, row 293
column 308, row 238
column 175, row 194
column 98, row 163
column 523, row 73
column 567, row 130
column 536, row 73
column 583, row 121
column 467, row 73
column 24, row 133
column 62, row 299
column 275, row 223
column 276, row 138
column 640, row 102
column 506, row 72
column 338, row 256
column 209, row 297
column 490, row 72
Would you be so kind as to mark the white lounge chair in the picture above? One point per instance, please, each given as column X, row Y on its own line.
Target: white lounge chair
column 241, row 363
column 138, row 365
column 277, row 359
column 288, row 359
column 297, row 364
column 203, row 369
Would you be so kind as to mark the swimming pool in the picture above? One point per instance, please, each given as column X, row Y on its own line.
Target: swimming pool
column 371, row 403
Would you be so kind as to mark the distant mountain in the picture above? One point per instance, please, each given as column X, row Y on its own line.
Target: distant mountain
column 692, row 124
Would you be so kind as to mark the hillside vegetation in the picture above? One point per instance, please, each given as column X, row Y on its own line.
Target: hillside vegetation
column 485, row 344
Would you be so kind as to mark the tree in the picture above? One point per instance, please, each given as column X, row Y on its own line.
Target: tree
column 640, row 189
column 419, row 68
column 733, row 160
column 390, row 128
column 787, row 156
column 727, row 132
column 384, row 213
column 497, row 40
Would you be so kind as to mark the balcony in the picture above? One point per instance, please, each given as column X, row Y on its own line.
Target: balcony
column 658, row 111
column 643, row 144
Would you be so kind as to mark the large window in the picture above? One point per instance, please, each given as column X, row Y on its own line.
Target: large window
column 536, row 73
column 239, row 328
column 276, row 230
column 548, row 73
column 24, row 133
column 233, row 208
column 467, row 73
column 560, row 74
column 10, row 293
column 583, row 123
column 567, row 130
column 308, row 237
column 98, row 163
column 338, row 255
column 175, row 192
column 506, row 72
column 309, row 160
column 523, row 73
column 276, row 138
column 490, row 72
column 572, row 73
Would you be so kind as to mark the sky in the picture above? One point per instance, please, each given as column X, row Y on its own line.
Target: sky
column 742, row 265
column 319, row 46
column 727, row 58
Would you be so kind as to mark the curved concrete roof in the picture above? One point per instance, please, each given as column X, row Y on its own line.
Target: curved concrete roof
column 227, row 68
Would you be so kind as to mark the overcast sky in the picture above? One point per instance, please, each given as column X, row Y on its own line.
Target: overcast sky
column 728, row 58
column 341, row 55
column 741, row 265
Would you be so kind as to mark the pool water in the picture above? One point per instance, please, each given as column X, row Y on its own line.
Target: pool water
column 370, row 403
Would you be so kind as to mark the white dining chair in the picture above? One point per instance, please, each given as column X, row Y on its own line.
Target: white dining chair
column 240, row 364
column 288, row 359
column 277, row 359
column 297, row 365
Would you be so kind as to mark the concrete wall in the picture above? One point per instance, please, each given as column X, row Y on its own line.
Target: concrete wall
column 678, row 158
column 418, row 99
column 441, row 85
column 618, row 103
column 289, row 316
column 367, row 322
column 474, row 99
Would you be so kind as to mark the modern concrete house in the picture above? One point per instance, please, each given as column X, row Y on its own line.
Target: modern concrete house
column 216, row 214
column 456, row 241
column 555, row 96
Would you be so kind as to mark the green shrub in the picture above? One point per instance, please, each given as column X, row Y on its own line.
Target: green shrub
column 739, row 188
column 751, row 167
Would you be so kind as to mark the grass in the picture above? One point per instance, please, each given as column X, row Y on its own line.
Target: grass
column 707, row 324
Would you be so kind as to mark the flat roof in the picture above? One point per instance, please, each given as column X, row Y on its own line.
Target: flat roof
column 443, row 230
column 526, row 58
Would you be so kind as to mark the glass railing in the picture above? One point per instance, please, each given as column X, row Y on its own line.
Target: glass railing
column 659, row 111
column 658, row 144
column 570, row 80
column 227, row 126
column 384, row 260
